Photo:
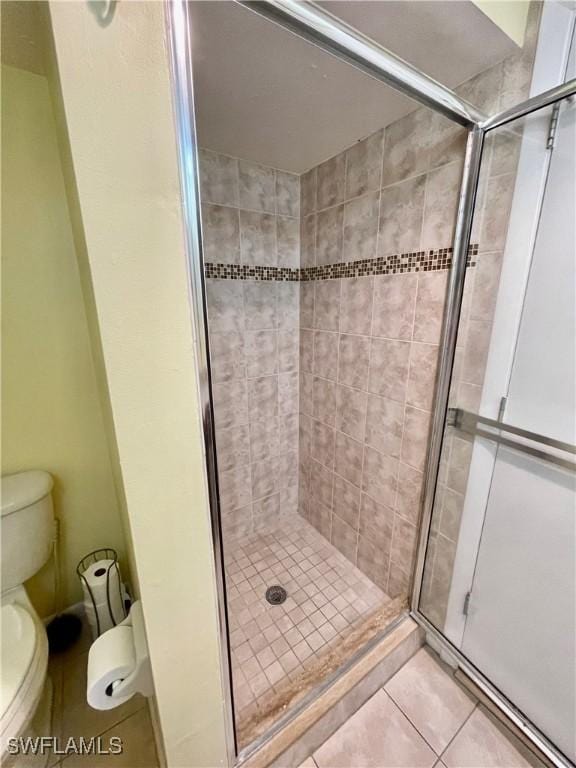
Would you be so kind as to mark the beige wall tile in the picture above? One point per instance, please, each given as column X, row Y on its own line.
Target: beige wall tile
column 384, row 425
column 344, row 538
column 230, row 404
column 346, row 501
column 353, row 360
column 218, row 178
column 261, row 353
column 258, row 238
column 233, row 447
column 406, row 147
column 321, row 483
column 257, row 185
column 327, row 305
column 263, row 398
column 259, row 305
column 415, row 437
column 429, row 306
column 308, row 240
column 265, row 477
column 288, row 392
column 324, row 401
column 235, row 488
column 379, row 478
column 266, row 511
column 330, row 182
column 351, row 411
column 306, row 393
column 220, row 234
column 264, row 439
column 227, row 356
column 306, row 351
column 401, row 212
column 348, row 460
column 441, row 202
column 308, row 192
column 422, row 376
column 361, row 227
column 403, row 544
column 307, row 304
column 476, row 352
column 356, row 305
column 288, row 242
column 287, row 194
column 394, row 302
column 459, row 464
column 447, row 141
column 323, row 443
column 496, row 212
column 373, row 560
column 408, row 501
column 486, row 282
column 376, row 523
column 326, row 354
column 288, row 431
column 329, row 235
column 225, row 305
column 389, row 361
column 364, row 165
column 288, row 351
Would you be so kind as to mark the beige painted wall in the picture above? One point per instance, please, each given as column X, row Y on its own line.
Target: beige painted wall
column 51, row 413
column 510, row 15
column 116, row 96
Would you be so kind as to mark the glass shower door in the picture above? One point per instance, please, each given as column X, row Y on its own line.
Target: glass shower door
column 499, row 572
column 521, row 607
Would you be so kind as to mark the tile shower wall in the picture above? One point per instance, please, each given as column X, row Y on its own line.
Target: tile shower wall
column 325, row 301
column 497, row 89
column 250, row 218
column 369, row 344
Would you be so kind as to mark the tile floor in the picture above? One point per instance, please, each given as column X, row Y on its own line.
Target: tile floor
column 422, row 718
column 327, row 598
column 72, row 716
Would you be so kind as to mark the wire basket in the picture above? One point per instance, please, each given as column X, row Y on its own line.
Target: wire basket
column 114, row 603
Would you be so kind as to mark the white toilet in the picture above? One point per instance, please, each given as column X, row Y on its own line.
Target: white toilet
column 27, row 536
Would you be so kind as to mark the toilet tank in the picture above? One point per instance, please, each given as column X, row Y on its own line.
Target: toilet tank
column 27, row 525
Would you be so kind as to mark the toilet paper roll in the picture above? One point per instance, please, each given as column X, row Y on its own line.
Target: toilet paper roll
column 112, row 658
column 96, row 578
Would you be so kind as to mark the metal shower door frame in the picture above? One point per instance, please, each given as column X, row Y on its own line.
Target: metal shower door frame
column 330, row 33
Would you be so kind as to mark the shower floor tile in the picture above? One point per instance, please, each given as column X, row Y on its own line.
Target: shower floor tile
column 327, row 598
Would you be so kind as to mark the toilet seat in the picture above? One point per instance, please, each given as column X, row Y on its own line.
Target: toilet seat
column 23, row 671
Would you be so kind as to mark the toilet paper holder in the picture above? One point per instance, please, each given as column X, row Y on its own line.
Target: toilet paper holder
column 139, row 678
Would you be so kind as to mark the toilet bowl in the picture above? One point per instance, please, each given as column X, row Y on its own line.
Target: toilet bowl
column 27, row 536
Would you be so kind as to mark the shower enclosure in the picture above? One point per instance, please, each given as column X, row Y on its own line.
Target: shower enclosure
column 500, row 560
column 351, row 342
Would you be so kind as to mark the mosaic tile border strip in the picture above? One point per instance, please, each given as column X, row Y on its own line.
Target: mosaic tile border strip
column 417, row 261
column 250, row 272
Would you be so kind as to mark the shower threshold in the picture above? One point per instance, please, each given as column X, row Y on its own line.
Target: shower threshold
column 281, row 652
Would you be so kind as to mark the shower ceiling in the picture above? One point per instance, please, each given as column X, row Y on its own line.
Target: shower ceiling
column 267, row 96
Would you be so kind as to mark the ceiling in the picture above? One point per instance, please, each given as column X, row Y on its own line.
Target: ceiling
column 266, row 95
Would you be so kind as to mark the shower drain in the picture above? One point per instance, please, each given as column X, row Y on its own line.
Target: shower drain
column 275, row 595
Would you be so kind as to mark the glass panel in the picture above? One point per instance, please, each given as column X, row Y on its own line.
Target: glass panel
column 498, row 577
column 327, row 235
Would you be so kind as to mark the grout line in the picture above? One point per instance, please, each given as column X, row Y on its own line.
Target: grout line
column 453, row 739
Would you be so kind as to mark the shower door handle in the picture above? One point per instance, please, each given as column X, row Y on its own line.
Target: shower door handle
column 547, row 448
